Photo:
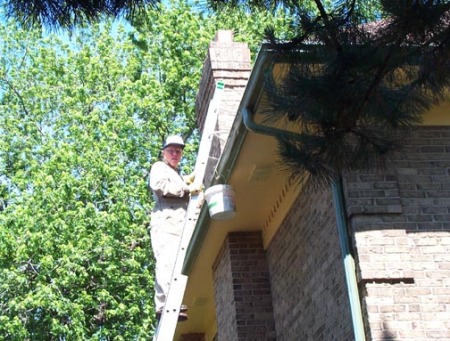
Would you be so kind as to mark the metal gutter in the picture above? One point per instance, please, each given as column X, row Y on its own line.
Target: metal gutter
column 343, row 230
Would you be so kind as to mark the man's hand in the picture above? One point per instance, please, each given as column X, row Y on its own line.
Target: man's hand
column 189, row 178
column 196, row 188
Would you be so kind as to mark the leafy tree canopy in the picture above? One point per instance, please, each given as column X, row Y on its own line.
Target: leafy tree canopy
column 75, row 261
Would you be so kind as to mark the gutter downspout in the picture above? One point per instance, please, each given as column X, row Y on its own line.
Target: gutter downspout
column 343, row 231
column 349, row 261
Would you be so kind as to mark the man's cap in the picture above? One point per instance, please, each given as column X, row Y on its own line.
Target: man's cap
column 173, row 140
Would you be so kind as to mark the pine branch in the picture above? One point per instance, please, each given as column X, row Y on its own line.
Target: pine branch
column 357, row 86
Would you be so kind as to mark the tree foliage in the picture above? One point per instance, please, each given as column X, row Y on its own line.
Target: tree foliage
column 75, row 258
column 82, row 117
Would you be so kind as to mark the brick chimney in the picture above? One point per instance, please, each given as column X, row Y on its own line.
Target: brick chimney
column 227, row 61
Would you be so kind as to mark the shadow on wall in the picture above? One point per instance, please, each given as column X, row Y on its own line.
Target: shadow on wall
column 388, row 336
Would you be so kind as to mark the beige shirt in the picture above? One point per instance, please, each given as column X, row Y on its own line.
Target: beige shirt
column 171, row 196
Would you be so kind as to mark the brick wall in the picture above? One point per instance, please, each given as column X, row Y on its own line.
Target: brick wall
column 307, row 276
column 227, row 61
column 401, row 224
column 242, row 289
column 224, row 296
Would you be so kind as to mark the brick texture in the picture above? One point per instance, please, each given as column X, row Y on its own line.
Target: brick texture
column 400, row 229
column 402, row 238
column 242, row 289
column 308, row 285
column 373, row 193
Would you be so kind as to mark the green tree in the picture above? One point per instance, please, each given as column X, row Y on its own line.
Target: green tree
column 75, row 259
column 250, row 27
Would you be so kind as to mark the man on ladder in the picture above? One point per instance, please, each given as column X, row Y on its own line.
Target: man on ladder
column 171, row 192
column 188, row 192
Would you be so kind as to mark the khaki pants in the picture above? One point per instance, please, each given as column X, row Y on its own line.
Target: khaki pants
column 165, row 248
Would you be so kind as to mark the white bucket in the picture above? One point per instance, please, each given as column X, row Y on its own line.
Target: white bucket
column 220, row 199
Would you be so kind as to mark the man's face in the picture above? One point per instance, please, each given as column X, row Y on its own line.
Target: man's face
column 172, row 154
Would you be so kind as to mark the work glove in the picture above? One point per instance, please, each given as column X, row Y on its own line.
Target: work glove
column 196, row 188
column 189, row 178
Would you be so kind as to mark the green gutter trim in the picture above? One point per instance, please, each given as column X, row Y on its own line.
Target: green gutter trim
column 224, row 168
column 343, row 231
